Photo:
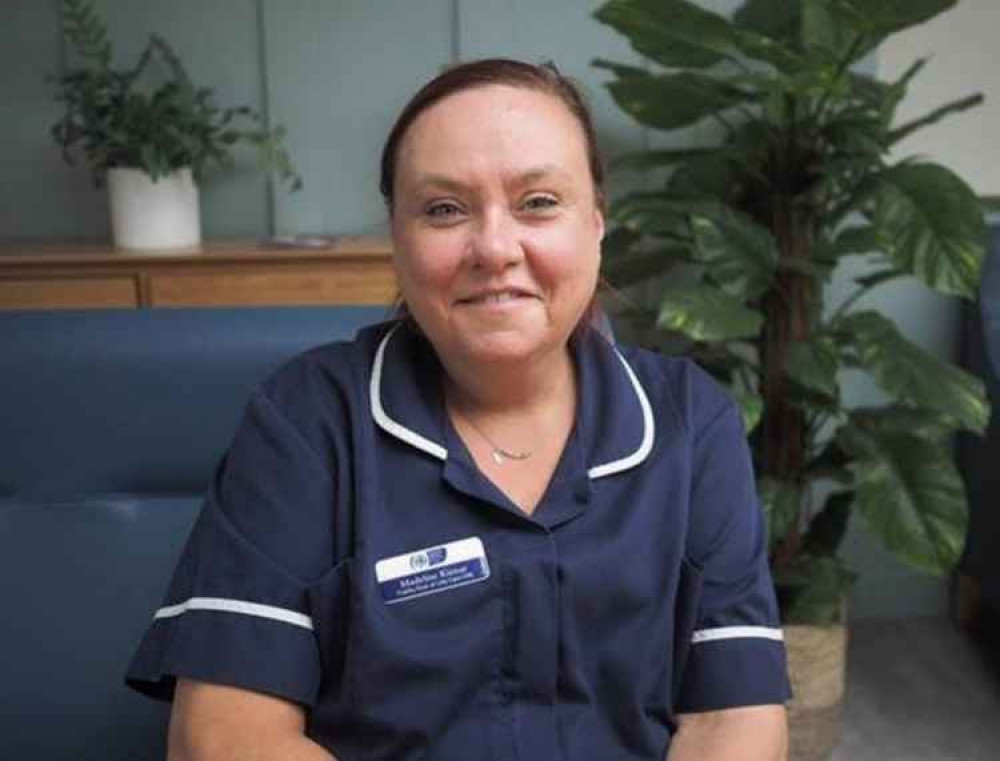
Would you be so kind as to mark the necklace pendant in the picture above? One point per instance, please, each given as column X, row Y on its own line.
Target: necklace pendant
column 497, row 457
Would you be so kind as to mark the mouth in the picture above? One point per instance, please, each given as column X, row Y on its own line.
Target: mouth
column 496, row 297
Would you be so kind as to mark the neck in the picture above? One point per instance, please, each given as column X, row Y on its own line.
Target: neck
column 522, row 389
column 521, row 418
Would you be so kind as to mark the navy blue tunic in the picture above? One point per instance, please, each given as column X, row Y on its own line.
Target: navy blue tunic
column 351, row 557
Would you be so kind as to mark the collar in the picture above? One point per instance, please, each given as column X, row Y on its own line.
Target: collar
column 614, row 417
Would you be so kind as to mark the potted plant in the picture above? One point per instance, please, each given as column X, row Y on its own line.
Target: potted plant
column 751, row 228
column 150, row 133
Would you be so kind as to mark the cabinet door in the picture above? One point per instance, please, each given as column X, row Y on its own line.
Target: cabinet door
column 70, row 293
column 343, row 283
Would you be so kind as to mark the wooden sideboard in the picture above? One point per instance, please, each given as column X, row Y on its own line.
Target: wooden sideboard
column 350, row 270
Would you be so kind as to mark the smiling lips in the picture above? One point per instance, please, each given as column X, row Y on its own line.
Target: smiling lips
column 495, row 297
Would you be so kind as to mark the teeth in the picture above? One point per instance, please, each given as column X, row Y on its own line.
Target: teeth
column 497, row 298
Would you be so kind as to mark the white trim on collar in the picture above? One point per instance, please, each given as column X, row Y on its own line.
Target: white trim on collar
column 424, row 444
column 648, row 432
column 385, row 422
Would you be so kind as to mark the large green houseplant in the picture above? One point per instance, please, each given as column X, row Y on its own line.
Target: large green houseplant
column 800, row 178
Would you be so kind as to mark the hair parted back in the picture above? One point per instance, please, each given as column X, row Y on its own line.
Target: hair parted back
column 544, row 78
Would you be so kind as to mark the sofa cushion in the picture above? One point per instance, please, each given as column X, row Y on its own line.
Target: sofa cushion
column 79, row 582
column 139, row 400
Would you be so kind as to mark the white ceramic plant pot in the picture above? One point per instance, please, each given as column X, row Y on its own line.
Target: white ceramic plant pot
column 150, row 216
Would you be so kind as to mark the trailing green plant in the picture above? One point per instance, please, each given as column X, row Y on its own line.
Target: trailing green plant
column 150, row 116
column 801, row 178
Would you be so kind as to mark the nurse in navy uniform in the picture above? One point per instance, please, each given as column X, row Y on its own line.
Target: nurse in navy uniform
column 482, row 530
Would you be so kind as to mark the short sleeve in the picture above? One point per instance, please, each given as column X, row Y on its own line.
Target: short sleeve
column 736, row 655
column 237, row 609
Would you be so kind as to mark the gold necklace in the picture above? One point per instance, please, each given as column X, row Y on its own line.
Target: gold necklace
column 498, row 453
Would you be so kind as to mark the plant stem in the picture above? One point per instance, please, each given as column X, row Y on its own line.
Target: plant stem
column 851, row 300
column 838, row 73
column 784, row 432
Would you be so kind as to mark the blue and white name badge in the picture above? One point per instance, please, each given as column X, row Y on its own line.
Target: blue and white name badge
column 431, row 570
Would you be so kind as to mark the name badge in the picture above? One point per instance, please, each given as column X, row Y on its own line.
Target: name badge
column 431, row 570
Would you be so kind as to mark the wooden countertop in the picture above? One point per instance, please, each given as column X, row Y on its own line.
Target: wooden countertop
column 53, row 275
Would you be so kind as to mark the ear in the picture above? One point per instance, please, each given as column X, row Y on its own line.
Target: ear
column 599, row 222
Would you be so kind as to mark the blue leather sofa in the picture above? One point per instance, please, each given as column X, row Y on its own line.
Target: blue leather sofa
column 111, row 424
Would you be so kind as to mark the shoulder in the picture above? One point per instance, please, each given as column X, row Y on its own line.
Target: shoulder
column 679, row 389
column 325, row 385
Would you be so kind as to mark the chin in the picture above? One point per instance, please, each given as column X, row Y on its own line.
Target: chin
column 506, row 346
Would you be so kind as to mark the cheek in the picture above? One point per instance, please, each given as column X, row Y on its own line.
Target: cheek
column 571, row 261
column 426, row 263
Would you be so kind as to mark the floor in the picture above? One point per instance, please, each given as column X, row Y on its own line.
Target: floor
column 920, row 690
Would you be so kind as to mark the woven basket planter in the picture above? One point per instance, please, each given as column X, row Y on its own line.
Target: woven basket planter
column 817, row 660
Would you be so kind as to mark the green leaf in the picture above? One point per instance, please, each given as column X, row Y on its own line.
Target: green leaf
column 641, row 160
column 855, row 240
column 815, row 363
column 953, row 107
column 909, row 373
column 888, row 97
column 618, row 241
column 682, row 34
column 751, row 406
column 673, row 33
column 653, row 214
column 768, row 50
column 899, row 419
column 881, row 18
column 831, row 465
column 739, row 254
column 829, row 525
column 908, row 491
column 709, row 176
column 636, row 266
column 781, row 502
column 858, row 135
column 670, row 101
column 830, row 31
column 866, row 23
column 779, row 20
column 812, row 590
column 815, row 403
column 877, row 278
column 705, row 313
column 931, row 224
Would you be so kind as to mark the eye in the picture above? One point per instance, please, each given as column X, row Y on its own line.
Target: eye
column 442, row 210
column 540, row 203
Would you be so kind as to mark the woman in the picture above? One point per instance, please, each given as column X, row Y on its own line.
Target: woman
column 481, row 531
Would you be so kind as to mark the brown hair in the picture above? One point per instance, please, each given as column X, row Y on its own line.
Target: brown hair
column 543, row 78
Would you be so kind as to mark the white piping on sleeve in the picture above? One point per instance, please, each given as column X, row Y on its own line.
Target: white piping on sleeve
column 648, row 432
column 737, row 632
column 385, row 422
column 242, row 607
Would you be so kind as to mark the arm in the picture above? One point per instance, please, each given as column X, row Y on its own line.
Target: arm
column 212, row 722
column 755, row 733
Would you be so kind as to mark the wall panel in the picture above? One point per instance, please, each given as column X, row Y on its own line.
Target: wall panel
column 338, row 72
column 565, row 32
column 40, row 195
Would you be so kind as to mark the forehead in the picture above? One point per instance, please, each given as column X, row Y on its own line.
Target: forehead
column 493, row 125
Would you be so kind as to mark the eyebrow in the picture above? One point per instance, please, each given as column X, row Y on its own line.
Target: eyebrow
column 526, row 177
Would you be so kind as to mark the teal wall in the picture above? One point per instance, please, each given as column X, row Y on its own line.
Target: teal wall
column 334, row 72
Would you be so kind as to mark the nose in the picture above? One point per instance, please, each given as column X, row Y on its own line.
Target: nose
column 495, row 243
